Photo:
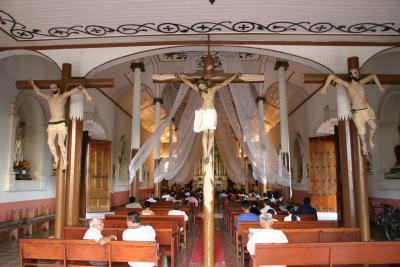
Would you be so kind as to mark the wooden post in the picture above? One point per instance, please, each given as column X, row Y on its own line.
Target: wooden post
column 60, row 200
column 208, row 211
column 75, row 135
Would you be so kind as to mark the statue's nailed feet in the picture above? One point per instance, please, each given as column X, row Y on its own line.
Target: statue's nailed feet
column 55, row 164
column 205, row 160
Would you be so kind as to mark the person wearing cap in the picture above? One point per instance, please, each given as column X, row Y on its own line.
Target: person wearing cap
column 265, row 235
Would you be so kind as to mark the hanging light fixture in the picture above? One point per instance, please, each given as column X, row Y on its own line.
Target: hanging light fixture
column 212, row 1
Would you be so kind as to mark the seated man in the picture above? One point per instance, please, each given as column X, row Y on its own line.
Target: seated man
column 176, row 211
column 151, row 199
column 133, row 204
column 267, row 206
column 246, row 216
column 94, row 233
column 138, row 232
column 265, row 235
column 306, row 208
column 147, row 210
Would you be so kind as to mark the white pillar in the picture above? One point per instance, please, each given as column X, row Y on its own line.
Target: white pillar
column 135, row 136
column 9, row 178
column 283, row 109
column 158, row 110
column 260, row 102
column 281, row 66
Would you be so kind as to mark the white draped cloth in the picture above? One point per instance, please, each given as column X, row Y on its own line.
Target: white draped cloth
column 238, row 120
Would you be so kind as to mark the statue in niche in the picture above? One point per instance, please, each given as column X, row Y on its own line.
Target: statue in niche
column 298, row 163
column 362, row 112
column 19, row 143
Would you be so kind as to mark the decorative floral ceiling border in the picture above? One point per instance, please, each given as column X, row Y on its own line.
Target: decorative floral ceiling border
column 22, row 32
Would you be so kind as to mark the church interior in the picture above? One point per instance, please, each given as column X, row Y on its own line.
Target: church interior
column 269, row 129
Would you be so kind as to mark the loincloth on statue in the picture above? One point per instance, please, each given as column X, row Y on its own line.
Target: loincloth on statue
column 361, row 117
column 57, row 126
column 205, row 119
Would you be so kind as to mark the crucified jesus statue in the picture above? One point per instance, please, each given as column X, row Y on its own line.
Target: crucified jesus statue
column 57, row 127
column 362, row 111
column 205, row 119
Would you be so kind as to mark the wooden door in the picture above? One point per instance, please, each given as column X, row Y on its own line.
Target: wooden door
column 323, row 173
column 98, row 178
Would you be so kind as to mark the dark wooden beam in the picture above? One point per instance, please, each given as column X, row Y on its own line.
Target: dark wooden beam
column 321, row 78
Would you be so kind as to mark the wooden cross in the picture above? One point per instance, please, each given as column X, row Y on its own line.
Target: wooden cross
column 209, row 74
column 67, row 82
column 352, row 62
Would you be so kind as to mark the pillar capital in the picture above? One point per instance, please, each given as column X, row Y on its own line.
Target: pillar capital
column 260, row 98
column 281, row 63
column 139, row 65
column 157, row 100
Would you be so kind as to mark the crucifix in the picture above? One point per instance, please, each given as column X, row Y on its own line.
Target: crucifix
column 207, row 83
column 62, row 89
column 352, row 146
column 354, row 82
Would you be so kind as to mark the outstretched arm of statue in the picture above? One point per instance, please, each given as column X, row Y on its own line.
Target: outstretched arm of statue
column 226, row 82
column 187, row 82
column 37, row 90
column 373, row 77
column 332, row 78
column 85, row 92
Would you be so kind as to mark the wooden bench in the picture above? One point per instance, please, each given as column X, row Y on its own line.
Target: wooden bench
column 146, row 218
column 44, row 252
column 339, row 253
column 280, row 217
column 164, row 237
column 244, row 226
column 26, row 224
column 321, row 235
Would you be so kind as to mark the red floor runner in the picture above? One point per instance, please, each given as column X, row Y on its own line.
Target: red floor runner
column 197, row 257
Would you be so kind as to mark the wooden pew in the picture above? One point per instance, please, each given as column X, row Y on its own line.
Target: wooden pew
column 343, row 253
column 321, row 235
column 146, row 218
column 78, row 252
column 279, row 217
column 244, row 226
column 164, row 237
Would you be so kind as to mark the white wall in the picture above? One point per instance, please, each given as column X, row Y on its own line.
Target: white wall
column 12, row 69
column 383, row 156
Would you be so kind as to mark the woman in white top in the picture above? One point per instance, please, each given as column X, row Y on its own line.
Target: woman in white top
column 291, row 217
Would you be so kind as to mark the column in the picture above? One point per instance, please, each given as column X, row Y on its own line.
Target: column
column 137, row 68
column 260, row 103
column 158, row 101
column 282, row 66
column 74, row 153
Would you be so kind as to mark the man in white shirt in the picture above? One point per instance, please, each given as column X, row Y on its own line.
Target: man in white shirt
column 138, row 232
column 265, row 235
column 94, row 233
column 177, row 211
column 133, row 204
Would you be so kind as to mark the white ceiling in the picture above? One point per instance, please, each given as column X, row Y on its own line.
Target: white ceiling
column 56, row 22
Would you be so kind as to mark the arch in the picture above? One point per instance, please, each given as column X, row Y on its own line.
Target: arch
column 389, row 120
column 28, row 109
column 255, row 50
column 24, row 52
